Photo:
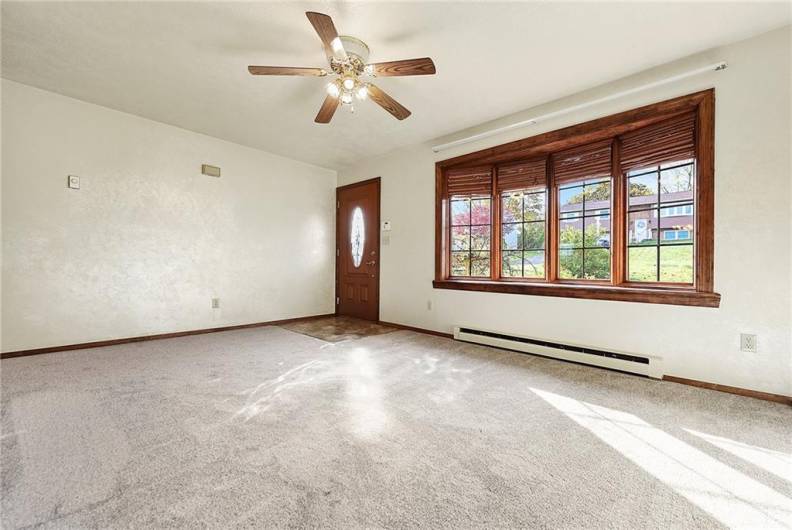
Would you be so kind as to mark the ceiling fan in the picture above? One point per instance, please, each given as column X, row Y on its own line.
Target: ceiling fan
column 348, row 59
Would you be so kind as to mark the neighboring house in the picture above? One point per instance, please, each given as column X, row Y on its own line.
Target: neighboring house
column 674, row 222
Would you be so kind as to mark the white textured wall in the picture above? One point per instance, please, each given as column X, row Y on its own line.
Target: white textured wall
column 752, row 235
column 148, row 241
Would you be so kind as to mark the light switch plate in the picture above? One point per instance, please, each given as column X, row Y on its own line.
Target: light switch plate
column 73, row 182
column 386, row 226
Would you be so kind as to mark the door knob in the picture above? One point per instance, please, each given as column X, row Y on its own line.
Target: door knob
column 372, row 262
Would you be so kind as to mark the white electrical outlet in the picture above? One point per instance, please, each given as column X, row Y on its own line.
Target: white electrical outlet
column 73, row 182
column 215, row 303
column 747, row 343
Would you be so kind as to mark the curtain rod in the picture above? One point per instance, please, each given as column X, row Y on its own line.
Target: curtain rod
column 709, row 68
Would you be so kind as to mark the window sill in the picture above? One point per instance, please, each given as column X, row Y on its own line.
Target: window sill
column 591, row 292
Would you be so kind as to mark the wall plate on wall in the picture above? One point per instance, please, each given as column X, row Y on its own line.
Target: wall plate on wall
column 210, row 171
column 747, row 342
column 73, row 182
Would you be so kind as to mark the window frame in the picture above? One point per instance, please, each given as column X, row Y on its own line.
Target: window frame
column 497, row 259
column 556, row 257
column 470, row 251
column 700, row 293
column 657, row 213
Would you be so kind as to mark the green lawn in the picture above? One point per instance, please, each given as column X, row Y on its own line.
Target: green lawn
column 676, row 263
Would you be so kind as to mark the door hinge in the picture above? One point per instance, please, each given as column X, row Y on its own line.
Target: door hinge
column 338, row 252
column 338, row 301
column 338, row 205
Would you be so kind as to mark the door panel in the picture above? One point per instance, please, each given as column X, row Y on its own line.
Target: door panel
column 357, row 249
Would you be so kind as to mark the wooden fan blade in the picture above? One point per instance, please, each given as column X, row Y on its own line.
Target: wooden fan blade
column 326, row 30
column 286, row 70
column 388, row 103
column 328, row 109
column 423, row 66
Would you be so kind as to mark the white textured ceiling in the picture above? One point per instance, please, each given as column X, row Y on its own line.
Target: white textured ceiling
column 184, row 63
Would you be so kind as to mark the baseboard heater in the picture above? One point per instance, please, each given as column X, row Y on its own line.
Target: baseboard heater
column 649, row 366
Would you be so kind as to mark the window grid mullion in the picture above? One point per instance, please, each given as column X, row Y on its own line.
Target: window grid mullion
column 659, row 211
column 522, row 238
column 470, row 241
column 583, row 231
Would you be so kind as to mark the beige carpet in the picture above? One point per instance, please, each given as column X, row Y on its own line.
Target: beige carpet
column 265, row 428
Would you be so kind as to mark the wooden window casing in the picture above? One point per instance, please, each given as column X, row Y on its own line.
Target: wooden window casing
column 677, row 129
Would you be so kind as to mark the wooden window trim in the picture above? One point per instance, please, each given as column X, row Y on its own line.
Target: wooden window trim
column 618, row 288
column 654, row 295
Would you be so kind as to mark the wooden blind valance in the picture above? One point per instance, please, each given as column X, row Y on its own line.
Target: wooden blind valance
column 584, row 162
column 469, row 181
column 663, row 142
column 522, row 175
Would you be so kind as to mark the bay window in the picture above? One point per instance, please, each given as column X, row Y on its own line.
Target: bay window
column 620, row 208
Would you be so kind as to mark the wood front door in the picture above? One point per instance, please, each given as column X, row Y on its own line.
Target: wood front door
column 357, row 249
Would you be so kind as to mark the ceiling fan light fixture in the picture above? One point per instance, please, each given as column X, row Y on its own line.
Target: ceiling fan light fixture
column 346, row 98
column 362, row 91
column 333, row 90
column 349, row 83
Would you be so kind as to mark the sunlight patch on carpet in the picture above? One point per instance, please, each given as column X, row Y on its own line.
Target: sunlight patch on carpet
column 733, row 498
column 776, row 462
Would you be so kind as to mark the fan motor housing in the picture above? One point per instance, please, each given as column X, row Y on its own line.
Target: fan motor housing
column 355, row 47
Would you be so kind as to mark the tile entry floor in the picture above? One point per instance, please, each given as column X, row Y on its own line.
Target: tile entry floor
column 338, row 328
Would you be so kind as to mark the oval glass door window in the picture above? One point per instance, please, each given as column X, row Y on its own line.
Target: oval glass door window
column 358, row 236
